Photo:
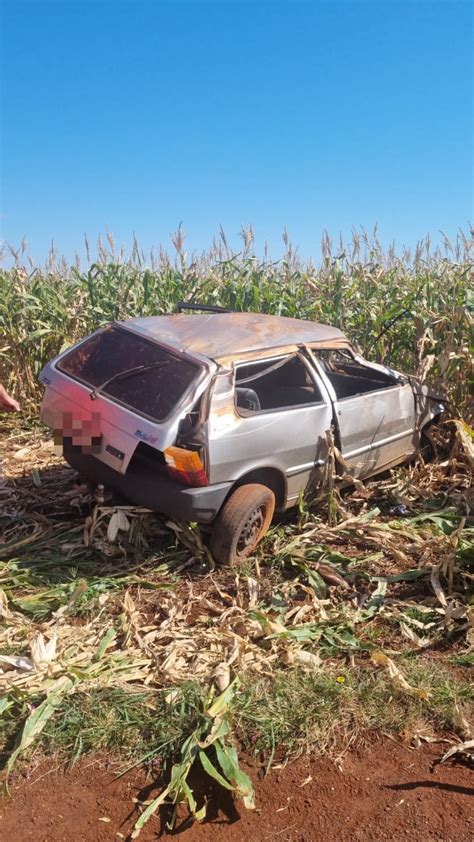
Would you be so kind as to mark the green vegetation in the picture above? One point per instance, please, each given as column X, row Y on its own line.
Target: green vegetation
column 358, row 287
column 301, row 712
column 136, row 646
column 350, row 620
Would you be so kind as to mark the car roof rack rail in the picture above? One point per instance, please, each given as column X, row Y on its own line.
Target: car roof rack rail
column 206, row 308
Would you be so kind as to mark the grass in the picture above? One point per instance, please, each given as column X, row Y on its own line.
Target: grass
column 463, row 660
column 299, row 711
column 317, row 713
column 139, row 648
column 352, row 620
column 137, row 726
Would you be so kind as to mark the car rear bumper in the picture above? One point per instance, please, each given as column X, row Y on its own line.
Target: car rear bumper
column 153, row 490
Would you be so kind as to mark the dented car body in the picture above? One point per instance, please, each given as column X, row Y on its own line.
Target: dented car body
column 222, row 418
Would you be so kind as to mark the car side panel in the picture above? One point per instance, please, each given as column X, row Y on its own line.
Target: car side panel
column 377, row 428
column 292, row 440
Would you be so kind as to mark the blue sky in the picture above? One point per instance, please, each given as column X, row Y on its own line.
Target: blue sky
column 310, row 115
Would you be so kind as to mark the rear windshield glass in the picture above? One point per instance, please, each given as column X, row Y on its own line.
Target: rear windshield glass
column 108, row 360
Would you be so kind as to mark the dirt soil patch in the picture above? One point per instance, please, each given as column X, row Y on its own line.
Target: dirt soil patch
column 388, row 791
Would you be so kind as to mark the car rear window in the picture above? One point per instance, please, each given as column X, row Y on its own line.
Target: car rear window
column 115, row 352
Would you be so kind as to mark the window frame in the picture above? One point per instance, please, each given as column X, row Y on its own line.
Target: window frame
column 307, row 363
column 358, row 360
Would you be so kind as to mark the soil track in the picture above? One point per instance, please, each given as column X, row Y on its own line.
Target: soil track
column 386, row 792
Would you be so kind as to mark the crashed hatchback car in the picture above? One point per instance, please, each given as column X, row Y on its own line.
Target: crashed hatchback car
column 221, row 418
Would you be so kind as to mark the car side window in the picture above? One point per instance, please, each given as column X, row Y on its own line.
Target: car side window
column 349, row 377
column 274, row 384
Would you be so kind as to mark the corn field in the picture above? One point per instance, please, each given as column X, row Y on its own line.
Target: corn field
column 411, row 310
column 127, row 639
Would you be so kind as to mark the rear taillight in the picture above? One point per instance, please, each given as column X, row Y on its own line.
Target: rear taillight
column 185, row 466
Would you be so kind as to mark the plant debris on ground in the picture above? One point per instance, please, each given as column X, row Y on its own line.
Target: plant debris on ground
column 118, row 632
column 355, row 616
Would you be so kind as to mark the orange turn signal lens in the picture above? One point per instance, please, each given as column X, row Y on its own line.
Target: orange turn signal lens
column 185, row 466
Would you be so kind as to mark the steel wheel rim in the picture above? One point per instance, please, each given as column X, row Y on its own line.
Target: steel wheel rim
column 250, row 532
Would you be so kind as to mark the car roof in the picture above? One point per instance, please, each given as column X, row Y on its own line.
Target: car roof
column 226, row 335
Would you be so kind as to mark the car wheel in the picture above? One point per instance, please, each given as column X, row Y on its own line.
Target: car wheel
column 242, row 522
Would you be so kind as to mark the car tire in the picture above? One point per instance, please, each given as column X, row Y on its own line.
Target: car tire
column 242, row 522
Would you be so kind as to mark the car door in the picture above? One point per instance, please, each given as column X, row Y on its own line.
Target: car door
column 278, row 419
column 374, row 411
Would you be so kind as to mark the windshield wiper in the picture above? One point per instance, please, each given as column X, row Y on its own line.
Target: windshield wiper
column 123, row 375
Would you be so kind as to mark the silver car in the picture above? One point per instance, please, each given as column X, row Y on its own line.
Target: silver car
column 221, row 418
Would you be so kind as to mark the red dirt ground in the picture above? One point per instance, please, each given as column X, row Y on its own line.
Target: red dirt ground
column 388, row 792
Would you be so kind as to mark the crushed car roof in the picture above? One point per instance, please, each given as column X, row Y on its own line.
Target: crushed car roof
column 223, row 335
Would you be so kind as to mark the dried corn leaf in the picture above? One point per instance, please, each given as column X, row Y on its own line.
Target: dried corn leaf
column 118, row 523
column 381, row 659
column 43, row 653
column 467, row 747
